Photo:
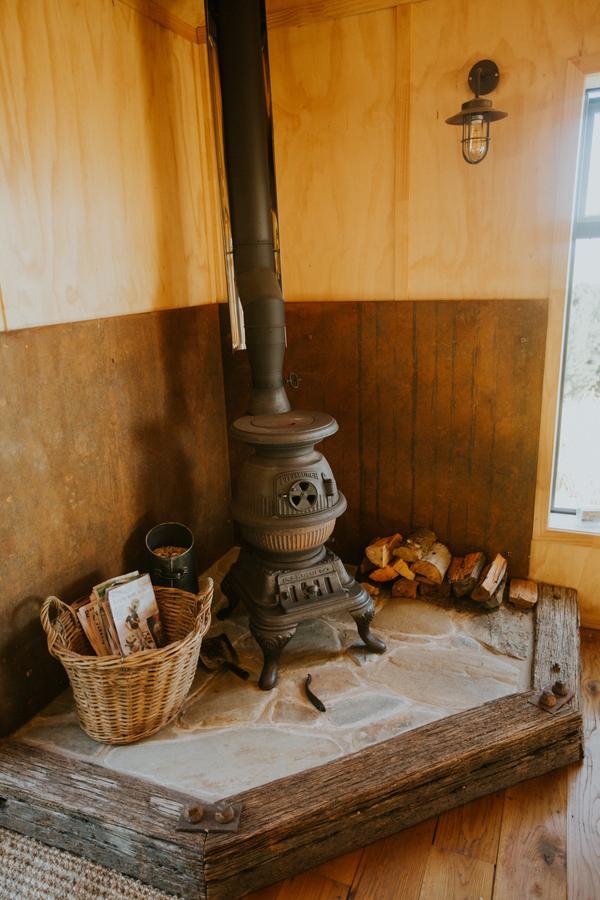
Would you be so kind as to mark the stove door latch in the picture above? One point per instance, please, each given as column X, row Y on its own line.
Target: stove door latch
column 201, row 816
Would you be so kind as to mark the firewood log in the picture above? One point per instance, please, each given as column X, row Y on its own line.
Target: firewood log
column 497, row 597
column 464, row 577
column 416, row 546
column 435, row 564
column 490, row 580
column 455, row 568
column 385, row 573
column 405, row 589
column 379, row 551
column 523, row 593
column 403, row 569
column 435, row 591
column 371, row 589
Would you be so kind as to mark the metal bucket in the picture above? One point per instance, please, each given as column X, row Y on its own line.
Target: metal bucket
column 177, row 571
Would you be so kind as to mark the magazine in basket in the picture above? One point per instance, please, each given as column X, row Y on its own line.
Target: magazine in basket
column 135, row 616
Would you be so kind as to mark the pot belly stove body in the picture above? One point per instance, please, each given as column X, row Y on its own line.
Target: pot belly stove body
column 286, row 504
column 287, row 500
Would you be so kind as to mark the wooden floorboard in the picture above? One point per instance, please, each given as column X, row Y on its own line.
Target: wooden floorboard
column 532, row 852
column 394, row 867
column 450, row 874
column 583, row 832
column 312, row 886
column 538, row 839
column 473, row 829
column 268, row 893
column 343, row 869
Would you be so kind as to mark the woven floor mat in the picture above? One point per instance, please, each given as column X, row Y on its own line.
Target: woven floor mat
column 31, row 871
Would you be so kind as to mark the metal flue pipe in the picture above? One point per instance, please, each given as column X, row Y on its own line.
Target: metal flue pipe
column 241, row 39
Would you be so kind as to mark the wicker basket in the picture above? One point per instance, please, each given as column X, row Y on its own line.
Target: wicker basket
column 122, row 699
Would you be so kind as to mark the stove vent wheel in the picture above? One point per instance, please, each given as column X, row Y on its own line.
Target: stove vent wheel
column 303, row 495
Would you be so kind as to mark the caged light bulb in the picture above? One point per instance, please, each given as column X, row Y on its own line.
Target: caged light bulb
column 476, row 138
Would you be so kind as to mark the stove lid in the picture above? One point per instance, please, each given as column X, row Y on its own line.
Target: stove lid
column 296, row 427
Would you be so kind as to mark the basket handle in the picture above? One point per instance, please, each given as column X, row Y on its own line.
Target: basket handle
column 51, row 609
column 206, row 592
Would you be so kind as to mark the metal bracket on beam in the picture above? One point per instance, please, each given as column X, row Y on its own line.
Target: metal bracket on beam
column 539, row 699
column 201, row 816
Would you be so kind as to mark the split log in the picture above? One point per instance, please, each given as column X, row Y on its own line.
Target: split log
column 416, row 546
column 403, row 569
column 455, row 568
column 498, row 596
column 371, row 589
column 490, row 580
column 385, row 573
column 435, row 591
column 523, row 593
column 379, row 551
column 405, row 589
column 435, row 564
column 465, row 572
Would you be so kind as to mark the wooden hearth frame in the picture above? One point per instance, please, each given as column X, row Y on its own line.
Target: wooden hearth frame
column 297, row 822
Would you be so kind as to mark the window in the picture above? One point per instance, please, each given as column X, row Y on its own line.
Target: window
column 576, row 478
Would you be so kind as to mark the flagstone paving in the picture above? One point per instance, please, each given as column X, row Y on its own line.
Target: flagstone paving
column 231, row 736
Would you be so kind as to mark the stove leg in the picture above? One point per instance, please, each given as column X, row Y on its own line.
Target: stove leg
column 271, row 646
column 363, row 619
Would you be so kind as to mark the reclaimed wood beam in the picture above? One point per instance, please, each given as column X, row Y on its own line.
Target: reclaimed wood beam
column 292, row 824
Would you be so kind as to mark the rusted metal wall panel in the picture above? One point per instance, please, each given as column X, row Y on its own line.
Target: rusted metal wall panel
column 439, row 410
column 108, row 427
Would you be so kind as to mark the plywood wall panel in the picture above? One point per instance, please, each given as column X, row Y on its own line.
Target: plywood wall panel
column 557, row 561
column 281, row 13
column 460, row 232
column 439, row 406
column 487, row 230
column 104, row 196
column 183, row 17
column 109, row 427
column 333, row 89
column 186, row 17
column 102, row 165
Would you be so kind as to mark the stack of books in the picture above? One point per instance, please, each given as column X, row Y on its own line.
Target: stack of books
column 121, row 616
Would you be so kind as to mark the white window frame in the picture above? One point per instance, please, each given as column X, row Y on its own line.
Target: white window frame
column 547, row 529
column 581, row 226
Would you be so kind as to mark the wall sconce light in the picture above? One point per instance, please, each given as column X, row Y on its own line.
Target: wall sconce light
column 475, row 115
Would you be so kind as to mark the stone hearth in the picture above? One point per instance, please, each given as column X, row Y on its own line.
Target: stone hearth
column 232, row 736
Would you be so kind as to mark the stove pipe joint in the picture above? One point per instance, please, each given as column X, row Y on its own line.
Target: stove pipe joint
column 264, row 321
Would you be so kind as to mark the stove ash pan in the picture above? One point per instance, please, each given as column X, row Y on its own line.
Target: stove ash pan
column 286, row 499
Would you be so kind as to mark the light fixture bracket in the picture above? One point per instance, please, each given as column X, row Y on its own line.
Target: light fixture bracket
column 484, row 77
column 476, row 114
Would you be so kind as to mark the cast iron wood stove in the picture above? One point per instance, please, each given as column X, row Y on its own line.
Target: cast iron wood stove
column 286, row 501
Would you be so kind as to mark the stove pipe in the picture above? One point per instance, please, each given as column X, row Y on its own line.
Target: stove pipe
column 286, row 501
column 243, row 73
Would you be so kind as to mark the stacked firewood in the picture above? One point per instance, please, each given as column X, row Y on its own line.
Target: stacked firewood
column 420, row 565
